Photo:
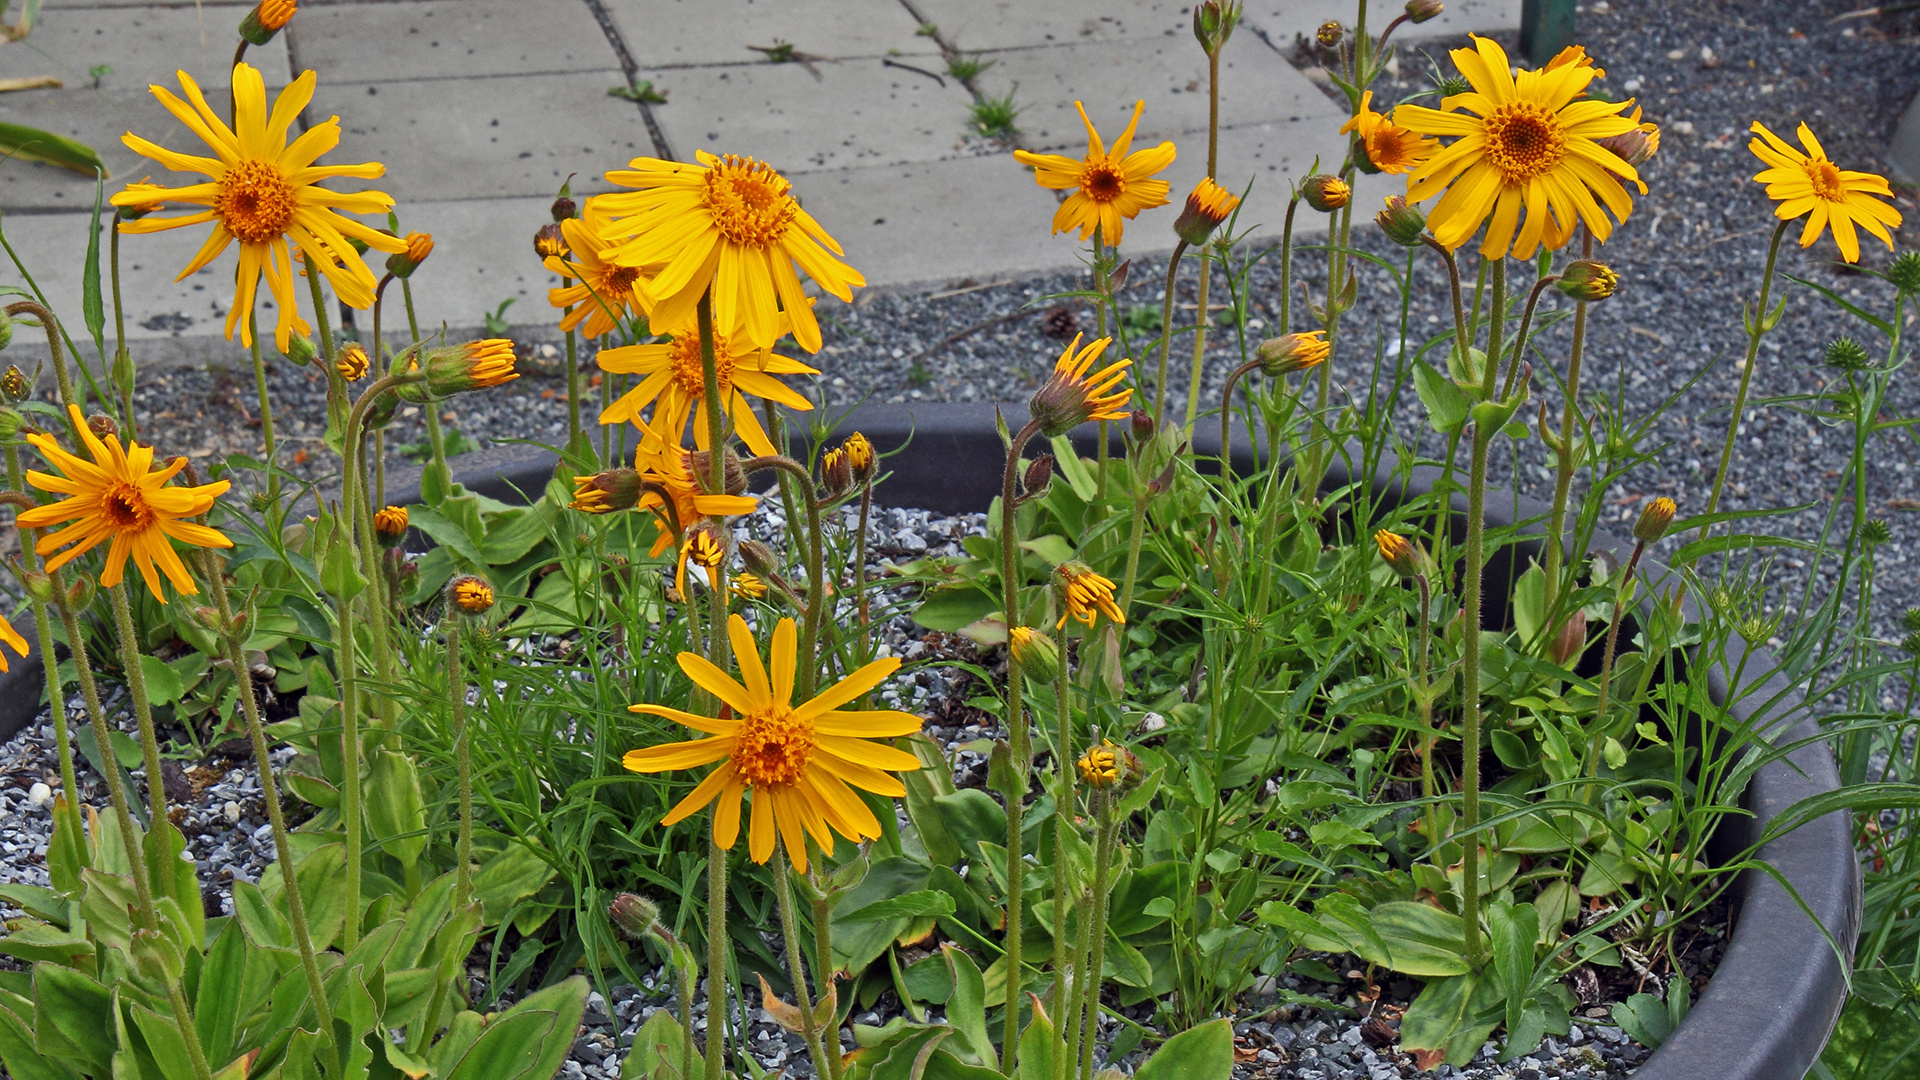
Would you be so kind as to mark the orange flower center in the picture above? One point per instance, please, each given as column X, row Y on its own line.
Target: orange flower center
column 1103, row 181
column 772, row 749
column 748, row 201
column 125, row 509
column 689, row 374
column 616, row 284
column 1524, row 140
column 1824, row 175
column 255, row 202
column 1391, row 148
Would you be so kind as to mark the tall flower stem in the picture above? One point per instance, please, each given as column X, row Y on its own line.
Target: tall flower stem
column 130, row 654
column 860, row 562
column 1757, row 326
column 796, row 965
column 436, row 439
column 144, row 911
column 1100, row 319
column 1286, row 265
column 43, row 633
column 1063, row 810
column 1021, row 747
column 715, row 1048
column 233, row 638
column 267, row 437
column 806, row 676
column 122, row 360
column 1087, row 1018
column 1426, row 694
column 718, row 651
column 463, row 759
column 823, row 955
column 1471, row 587
column 1202, row 317
column 1565, row 459
column 344, row 658
column 1599, row 732
column 573, row 390
column 61, row 376
column 1166, row 337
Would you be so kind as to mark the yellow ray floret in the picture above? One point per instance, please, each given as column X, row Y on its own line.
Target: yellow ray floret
column 1810, row 185
column 1109, row 187
column 264, row 192
column 119, row 497
column 673, row 381
column 801, row 762
column 1525, row 143
column 730, row 225
column 602, row 291
column 1388, row 146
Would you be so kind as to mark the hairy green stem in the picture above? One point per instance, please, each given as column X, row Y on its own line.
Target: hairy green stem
column 130, row 653
column 1166, row 334
column 796, row 966
column 1756, row 329
column 1089, row 1022
column 1565, row 460
column 463, row 758
column 1063, row 809
column 1020, row 746
column 1599, row 732
column 716, row 1044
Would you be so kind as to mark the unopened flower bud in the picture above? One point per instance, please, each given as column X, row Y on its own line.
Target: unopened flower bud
column 351, row 362
column 1289, row 353
column 1325, row 192
column 1038, row 475
column 759, row 558
column 80, row 593
column 1402, row 221
column 634, row 916
column 390, row 523
column 1632, row 146
column 470, row 595
column 1654, row 520
column 1103, row 766
column 1140, row 425
column 1398, row 552
column 1329, row 33
column 265, row 20
column 301, row 350
column 1846, row 354
column 861, row 457
column 700, row 464
column 563, row 205
column 1207, row 206
column 1035, row 652
column 1571, row 641
column 38, row 585
column 10, row 422
column 102, row 425
column 1586, row 279
column 549, row 243
column 1419, row 11
column 1213, row 23
column 1071, row 396
column 14, row 385
column 606, row 492
column 402, row 264
column 1904, row 273
column 471, row 365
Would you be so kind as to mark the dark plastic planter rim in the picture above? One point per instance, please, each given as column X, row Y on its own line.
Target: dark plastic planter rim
column 1771, row 1004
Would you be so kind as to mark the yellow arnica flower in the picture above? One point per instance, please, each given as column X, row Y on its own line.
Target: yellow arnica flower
column 1071, row 397
column 351, row 363
column 703, row 548
column 603, row 291
column 1207, row 206
column 1520, row 143
column 1100, row 765
column 264, row 193
column 120, row 497
column 744, row 585
column 674, row 383
column 1389, row 147
column 1108, row 186
column 390, row 523
column 728, row 224
column 1810, row 184
column 673, row 495
column 1085, row 595
column 801, row 762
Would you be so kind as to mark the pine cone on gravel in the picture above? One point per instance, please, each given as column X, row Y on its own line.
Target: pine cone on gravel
column 1060, row 323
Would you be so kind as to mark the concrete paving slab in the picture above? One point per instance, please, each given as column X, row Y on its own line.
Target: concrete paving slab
column 680, row 33
column 485, row 138
column 975, row 25
column 1256, row 86
column 97, row 118
column 1280, row 20
column 859, row 112
column 448, row 39
column 936, row 222
column 143, row 45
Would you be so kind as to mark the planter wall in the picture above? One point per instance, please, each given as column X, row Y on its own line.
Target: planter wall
column 1777, row 993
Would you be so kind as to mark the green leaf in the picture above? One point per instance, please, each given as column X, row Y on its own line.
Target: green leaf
column 511, row 536
column 660, row 1049
column 1198, row 1053
column 971, row 815
column 1040, row 1047
column 395, row 807
column 23, row 143
column 323, row 890
column 70, row 1011
column 967, row 1008
column 447, row 534
column 17, row 1052
column 163, row 1043
column 163, row 683
column 1644, row 1017
column 1513, row 929
column 339, row 569
column 1450, row 1015
column 1067, row 464
column 1333, row 833
column 948, row 610
column 90, row 306
column 509, row 877
column 1420, row 939
column 528, row 1041
column 1446, row 405
column 908, row 906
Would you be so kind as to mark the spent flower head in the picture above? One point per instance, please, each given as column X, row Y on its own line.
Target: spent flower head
column 1904, row 273
column 1875, row 531
column 1214, row 22
column 351, row 362
column 1207, row 206
column 1289, row 353
column 470, row 595
column 1072, row 396
column 1084, row 595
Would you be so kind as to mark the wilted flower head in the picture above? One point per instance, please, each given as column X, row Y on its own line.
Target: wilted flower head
column 836, row 472
column 1289, row 353
column 747, row 586
column 1208, row 206
column 1847, row 354
column 860, row 457
column 1330, row 33
column 606, row 491
column 14, row 384
column 1072, row 397
column 1875, row 531
column 551, row 243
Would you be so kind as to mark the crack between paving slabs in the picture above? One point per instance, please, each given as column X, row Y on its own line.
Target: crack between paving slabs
column 631, row 70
